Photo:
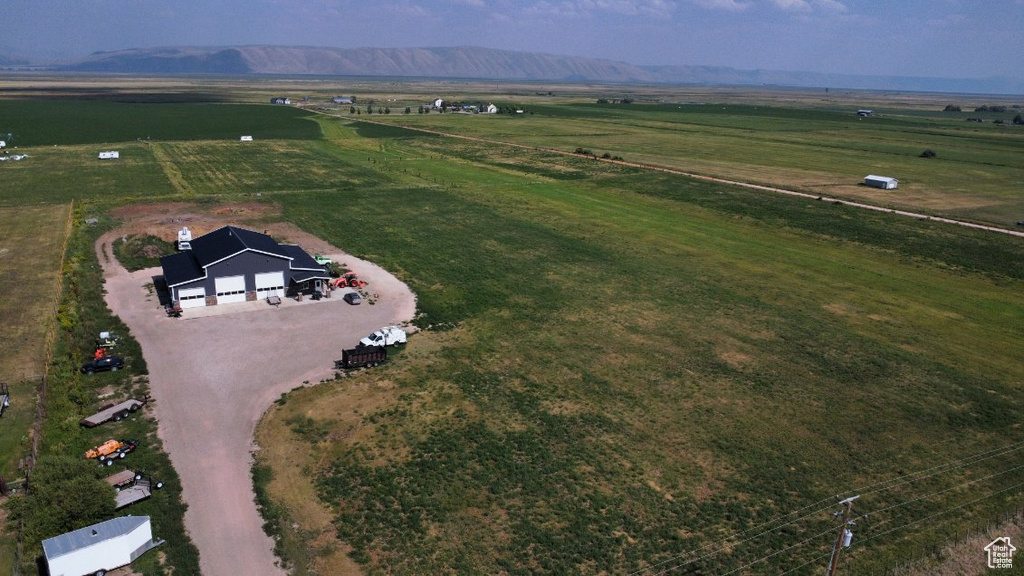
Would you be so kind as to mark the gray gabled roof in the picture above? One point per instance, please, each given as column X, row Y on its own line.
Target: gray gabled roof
column 228, row 241
column 91, row 535
column 180, row 268
column 190, row 265
column 301, row 260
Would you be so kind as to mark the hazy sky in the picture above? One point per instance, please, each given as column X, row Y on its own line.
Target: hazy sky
column 944, row 38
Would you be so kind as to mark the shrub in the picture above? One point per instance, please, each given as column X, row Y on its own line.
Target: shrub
column 951, row 108
column 928, row 153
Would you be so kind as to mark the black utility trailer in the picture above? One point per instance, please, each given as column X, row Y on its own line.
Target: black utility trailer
column 361, row 357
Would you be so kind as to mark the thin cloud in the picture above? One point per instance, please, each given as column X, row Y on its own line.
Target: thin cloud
column 589, row 8
column 810, row 5
column 406, row 9
column 730, row 5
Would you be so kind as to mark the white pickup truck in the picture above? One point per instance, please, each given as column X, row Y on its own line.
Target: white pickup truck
column 386, row 336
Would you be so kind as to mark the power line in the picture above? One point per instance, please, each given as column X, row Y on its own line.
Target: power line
column 965, row 461
column 776, row 553
column 737, row 535
column 814, row 560
column 725, row 540
column 869, row 489
column 950, row 489
column 918, row 521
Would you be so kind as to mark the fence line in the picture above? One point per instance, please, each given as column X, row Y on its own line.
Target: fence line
column 934, row 552
column 51, row 335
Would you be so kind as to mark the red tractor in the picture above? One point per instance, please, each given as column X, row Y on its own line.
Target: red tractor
column 348, row 280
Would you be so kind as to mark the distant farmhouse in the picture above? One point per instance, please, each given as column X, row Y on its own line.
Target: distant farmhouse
column 343, row 99
column 237, row 265
column 279, row 100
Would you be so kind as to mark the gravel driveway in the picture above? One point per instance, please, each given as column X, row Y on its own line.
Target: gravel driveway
column 213, row 374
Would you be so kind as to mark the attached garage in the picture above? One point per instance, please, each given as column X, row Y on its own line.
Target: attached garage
column 192, row 297
column 269, row 284
column 230, row 289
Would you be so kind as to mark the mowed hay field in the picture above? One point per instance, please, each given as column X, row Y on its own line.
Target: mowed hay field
column 827, row 149
column 622, row 369
column 31, row 244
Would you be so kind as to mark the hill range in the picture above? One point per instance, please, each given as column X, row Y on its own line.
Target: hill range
column 482, row 63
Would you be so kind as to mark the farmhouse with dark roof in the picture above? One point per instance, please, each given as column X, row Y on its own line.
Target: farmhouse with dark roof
column 233, row 264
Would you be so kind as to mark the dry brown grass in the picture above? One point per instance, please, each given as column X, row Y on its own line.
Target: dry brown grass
column 968, row 558
column 31, row 240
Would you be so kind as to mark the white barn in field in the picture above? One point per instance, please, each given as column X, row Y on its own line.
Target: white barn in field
column 99, row 548
column 883, row 182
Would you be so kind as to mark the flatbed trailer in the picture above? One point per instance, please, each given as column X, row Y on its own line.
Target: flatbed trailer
column 116, row 412
column 131, row 487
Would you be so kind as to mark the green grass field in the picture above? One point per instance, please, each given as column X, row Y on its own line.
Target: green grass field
column 643, row 363
column 621, row 367
column 29, row 268
column 69, row 122
column 977, row 173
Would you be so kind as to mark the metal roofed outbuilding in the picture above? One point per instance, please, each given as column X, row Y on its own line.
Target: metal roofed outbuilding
column 883, row 182
column 233, row 264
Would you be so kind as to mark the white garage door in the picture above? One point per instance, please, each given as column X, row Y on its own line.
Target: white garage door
column 192, row 297
column 230, row 289
column 270, row 284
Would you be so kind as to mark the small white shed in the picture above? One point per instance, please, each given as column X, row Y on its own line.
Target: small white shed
column 3, row 144
column 110, row 155
column 883, row 182
column 246, row 139
column 100, row 547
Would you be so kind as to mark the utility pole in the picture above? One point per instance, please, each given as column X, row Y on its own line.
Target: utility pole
column 833, row 563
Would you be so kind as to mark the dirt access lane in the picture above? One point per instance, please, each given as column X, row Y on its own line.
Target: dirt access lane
column 213, row 377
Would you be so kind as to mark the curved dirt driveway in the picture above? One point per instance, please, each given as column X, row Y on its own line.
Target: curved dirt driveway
column 214, row 372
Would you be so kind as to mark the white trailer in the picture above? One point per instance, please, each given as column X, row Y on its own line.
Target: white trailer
column 883, row 182
column 99, row 548
column 184, row 238
column 110, row 155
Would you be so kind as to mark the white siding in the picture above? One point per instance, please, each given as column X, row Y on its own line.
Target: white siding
column 104, row 555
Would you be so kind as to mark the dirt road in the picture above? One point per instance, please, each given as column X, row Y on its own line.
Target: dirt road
column 214, row 373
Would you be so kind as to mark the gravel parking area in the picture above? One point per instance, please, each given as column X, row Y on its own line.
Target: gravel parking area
column 213, row 374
